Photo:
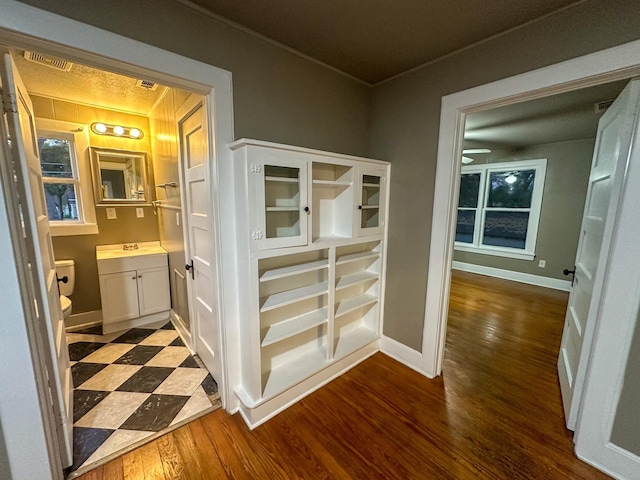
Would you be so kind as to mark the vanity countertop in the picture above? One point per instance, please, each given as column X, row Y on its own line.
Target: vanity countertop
column 107, row 252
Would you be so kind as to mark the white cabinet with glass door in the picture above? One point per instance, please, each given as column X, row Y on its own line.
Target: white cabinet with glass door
column 311, row 266
column 371, row 209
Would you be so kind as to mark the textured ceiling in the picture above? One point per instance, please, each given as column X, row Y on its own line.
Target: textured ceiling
column 376, row 39
column 558, row 118
column 87, row 85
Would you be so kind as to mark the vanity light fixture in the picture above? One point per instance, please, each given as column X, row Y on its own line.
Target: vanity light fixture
column 100, row 128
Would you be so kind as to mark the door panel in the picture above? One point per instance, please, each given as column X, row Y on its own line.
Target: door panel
column 153, row 290
column 50, row 320
column 122, row 291
column 202, row 287
column 613, row 142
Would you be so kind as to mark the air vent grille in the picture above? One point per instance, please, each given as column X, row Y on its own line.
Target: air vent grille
column 147, row 85
column 601, row 107
column 57, row 63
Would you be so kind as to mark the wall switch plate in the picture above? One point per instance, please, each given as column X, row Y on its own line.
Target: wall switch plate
column 111, row 214
column 178, row 219
column 542, row 263
column 139, row 212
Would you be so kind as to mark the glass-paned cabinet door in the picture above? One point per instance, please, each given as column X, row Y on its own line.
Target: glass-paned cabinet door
column 281, row 203
column 372, row 201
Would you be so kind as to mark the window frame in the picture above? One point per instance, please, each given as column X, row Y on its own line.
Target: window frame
column 528, row 253
column 77, row 135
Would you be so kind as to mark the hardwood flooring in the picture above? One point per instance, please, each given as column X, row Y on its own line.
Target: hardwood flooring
column 495, row 413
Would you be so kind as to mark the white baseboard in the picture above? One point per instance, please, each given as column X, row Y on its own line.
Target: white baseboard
column 555, row 283
column 403, row 354
column 83, row 320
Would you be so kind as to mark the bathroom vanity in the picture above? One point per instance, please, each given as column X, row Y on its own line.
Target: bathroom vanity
column 134, row 285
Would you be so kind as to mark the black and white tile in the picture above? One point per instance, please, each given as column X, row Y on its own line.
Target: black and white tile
column 131, row 385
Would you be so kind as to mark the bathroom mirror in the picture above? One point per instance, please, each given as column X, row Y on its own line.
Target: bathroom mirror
column 120, row 176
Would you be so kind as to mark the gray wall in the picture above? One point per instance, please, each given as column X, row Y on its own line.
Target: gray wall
column 405, row 122
column 277, row 96
column 565, row 189
column 627, row 420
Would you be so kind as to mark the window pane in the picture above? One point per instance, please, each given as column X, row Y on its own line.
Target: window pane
column 61, row 201
column 506, row 229
column 469, row 188
column 465, row 226
column 511, row 189
column 55, row 157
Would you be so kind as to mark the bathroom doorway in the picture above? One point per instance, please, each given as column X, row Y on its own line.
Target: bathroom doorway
column 54, row 105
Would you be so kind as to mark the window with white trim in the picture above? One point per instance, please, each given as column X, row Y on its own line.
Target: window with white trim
column 66, row 177
column 499, row 208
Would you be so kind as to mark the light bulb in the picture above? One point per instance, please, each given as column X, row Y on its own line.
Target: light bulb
column 118, row 130
column 134, row 133
column 100, row 127
column 511, row 179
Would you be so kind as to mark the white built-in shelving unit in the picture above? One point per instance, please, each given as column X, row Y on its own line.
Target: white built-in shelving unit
column 312, row 240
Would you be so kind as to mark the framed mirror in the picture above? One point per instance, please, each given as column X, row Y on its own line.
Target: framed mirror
column 120, row 176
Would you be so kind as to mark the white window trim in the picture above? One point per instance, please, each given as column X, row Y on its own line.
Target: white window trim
column 528, row 253
column 85, row 202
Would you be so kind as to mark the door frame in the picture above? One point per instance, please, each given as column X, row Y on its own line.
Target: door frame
column 27, row 27
column 617, row 63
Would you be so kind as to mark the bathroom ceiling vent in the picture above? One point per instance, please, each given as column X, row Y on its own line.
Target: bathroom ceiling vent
column 56, row 63
column 602, row 107
column 147, row 85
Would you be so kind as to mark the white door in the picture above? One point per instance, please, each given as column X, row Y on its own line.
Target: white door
column 613, row 142
column 202, row 277
column 24, row 154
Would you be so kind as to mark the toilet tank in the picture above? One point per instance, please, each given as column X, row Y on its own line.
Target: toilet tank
column 66, row 268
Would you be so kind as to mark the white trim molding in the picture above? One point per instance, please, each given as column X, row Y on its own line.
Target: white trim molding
column 403, row 354
column 528, row 278
column 78, row 321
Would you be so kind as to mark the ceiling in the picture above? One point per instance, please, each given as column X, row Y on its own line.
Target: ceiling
column 558, row 118
column 86, row 85
column 374, row 40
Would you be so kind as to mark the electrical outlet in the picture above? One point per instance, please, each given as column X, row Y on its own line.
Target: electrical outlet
column 139, row 212
column 542, row 263
column 178, row 219
column 111, row 214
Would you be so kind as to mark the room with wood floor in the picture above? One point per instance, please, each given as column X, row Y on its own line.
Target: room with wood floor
column 397, row 242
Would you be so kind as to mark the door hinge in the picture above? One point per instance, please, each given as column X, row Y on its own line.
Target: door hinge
column 9, row 103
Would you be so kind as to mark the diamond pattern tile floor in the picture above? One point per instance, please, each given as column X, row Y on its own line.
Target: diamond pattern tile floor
column 130, row 385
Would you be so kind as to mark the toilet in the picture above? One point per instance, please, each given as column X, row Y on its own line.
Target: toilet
column 66, row 268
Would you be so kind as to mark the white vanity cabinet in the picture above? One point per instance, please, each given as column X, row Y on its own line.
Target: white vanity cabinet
column 311, row 236
column 134, row 286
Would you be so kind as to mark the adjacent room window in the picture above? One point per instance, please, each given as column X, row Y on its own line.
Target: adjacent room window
column 499, row 208
column 66, row 177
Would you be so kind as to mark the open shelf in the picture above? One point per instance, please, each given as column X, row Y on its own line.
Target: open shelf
column 354, row 257
column 291, row 296
column 355, row 278
column 332, row 183
column 293, row 270
column 354, row 303
column 294, row 371
column 293, row 208
column 353, row 340
column 293, row 326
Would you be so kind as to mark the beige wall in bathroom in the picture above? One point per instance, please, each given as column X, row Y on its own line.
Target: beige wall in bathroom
column 126, row 228
column 164, row 142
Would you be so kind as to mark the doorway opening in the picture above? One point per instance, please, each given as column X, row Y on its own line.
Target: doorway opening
column 136, row 145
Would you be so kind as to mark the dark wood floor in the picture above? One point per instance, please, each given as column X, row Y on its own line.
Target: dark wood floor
column 494, row 413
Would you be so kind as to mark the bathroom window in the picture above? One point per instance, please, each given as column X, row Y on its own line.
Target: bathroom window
column 66, row 177
column 499, row 208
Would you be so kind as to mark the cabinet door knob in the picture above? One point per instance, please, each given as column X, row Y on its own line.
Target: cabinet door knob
column 139, row 276
column 359, row 207
column 133, row 278
column 306, row 209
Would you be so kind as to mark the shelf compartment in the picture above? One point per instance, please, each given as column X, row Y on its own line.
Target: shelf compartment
column 353, row 340
column 290, row 373
column 293, row 326
column 292, row 296
column 350, row 304
column 354, row 257
column 332, row 183
column 283, row 272
column 356, row 278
